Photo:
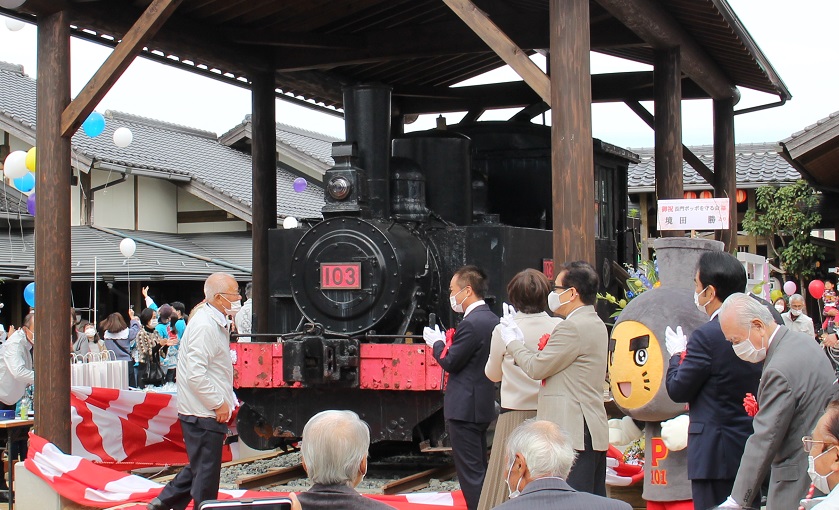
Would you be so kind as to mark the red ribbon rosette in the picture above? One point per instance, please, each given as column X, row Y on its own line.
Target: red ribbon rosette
column 449, row 340
column 543, row 341
column 750, row 405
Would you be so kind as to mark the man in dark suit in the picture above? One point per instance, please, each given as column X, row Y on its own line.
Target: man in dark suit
column 539, row 456
column 795, row 386
column 334, row 451
column 469, row 403
column 713, row 381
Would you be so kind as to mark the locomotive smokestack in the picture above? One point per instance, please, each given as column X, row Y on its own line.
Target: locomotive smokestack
column 367, row 121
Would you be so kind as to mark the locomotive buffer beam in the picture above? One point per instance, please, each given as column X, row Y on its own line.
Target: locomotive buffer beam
column 315, row 361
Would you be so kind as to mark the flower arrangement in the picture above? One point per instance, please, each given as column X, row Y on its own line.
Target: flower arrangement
column 637, row 281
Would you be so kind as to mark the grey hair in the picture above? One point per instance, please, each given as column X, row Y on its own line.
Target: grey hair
column 215, row 284
column 334, row 445
column 544, row 446
column 796, row 297
column 746, row 309
column 248, row 290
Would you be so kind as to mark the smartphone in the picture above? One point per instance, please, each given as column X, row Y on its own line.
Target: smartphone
column 247, row 504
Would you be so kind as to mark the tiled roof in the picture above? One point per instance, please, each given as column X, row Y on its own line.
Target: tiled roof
column 193, row 258
column 757, row 164
column 165, row 149
column 317, row 145
column 811, row 127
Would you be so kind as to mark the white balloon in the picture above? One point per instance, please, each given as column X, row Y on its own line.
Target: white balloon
column 123, row 137
column 15, row 165
column 127, row 247
column 11, row 4
column 14, row 24
column 290, row 222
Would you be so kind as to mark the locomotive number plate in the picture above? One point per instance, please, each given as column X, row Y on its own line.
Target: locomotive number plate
column 340, row 276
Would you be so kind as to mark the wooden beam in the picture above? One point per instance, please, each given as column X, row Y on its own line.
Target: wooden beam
column 572, row 149
column 652, row 23
column 688, row 155
column 52, row 232
column 117, row 62
column 504, row 46
column 211, row 216
column 669, row 177
column 725, row 168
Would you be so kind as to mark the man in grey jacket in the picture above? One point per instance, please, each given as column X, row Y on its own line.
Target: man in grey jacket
column 205, row 395
column 539, row 456
column 795, row 386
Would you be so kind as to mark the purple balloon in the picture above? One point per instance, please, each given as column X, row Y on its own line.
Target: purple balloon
column 30, row 204
column 300, row 185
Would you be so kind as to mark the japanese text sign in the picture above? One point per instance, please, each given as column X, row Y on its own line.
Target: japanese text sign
column 693, row 214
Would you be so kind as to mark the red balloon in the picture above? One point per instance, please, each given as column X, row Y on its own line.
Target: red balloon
column 816, row 289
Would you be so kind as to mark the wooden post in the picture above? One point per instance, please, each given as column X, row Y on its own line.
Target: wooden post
column 86, row 198
column 572, row 151
column 52, row 234
column 668, row 128
column 725, row 168
column 264, row 186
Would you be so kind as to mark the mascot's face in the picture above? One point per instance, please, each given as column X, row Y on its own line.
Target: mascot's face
column 636, row 364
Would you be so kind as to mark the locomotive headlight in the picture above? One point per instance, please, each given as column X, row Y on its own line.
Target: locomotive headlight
column 339, row 188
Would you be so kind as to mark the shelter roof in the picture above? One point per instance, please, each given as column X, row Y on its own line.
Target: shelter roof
column 758, row 164
column 420, row 47
column 815, row 152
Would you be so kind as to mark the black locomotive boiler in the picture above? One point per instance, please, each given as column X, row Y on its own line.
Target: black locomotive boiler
column 351, row 294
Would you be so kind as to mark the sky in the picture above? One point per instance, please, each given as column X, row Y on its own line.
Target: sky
column 798, row 38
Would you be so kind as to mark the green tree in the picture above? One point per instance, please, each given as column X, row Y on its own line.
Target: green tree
column 786, row 215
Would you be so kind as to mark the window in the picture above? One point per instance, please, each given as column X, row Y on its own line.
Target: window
column 604, row 185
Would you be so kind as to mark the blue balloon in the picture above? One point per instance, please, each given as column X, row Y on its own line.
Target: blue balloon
column 29, row 294
column 25, row 183
column 94, row 124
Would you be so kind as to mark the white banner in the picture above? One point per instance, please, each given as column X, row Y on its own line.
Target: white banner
column 693, row 214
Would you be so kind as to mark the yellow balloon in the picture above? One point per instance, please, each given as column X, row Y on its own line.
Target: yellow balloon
column 30, row 159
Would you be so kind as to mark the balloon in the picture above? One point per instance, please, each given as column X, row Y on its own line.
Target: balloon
column 290, row 222
column 30, row 204
column 29, row 294
column 300, row 184
column 816, row 289
column 127, row 247
column 15, row 165
column 123, row 137
column 25, row 183
column 30, row 159
column 94, row 124
column 776, row 295
column 789, row 288
column 14, row 24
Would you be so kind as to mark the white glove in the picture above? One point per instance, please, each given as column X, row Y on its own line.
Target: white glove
column 730, row 503
column 509, row 329
column 432, row 336
column 676, row 340
column 623, row 431
column 674, row 433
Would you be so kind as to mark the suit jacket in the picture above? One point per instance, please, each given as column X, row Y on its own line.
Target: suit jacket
column 713, row 381
column 470, row 396
column 555, row 493
column 794, row 389
column 330, row 497
column 573, row 364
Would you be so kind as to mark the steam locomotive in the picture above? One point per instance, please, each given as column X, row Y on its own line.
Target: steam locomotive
column 351, row 294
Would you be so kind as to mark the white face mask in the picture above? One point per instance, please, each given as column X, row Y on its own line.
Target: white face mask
column 235, row 306
column 457, row 307
column 90, row 332
column 746, row 351
column 820, row 481
column 510, row 492
column 780, row 308
column 554, row 303
column 696, row 301
column 153, row 323
column 794, row 312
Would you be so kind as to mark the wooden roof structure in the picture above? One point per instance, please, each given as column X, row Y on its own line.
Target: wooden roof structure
column 310, row 50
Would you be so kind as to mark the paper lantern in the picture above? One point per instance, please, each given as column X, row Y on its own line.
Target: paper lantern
column 690, row 195
column 706, row 194
column 741, row 196
column 127, row 247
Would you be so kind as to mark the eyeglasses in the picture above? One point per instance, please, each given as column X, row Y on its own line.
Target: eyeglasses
column 808, row 443
column 560, row 287
column 230, row 294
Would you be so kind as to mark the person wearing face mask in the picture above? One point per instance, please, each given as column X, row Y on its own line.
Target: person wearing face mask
column 823, row 459
column 334, row 454
column 705, row 373
column 89, row 340
column 794, row 387
column 539, row 456
column 16, row 373
column 573, row 366
column 205, row 395
column 469, row 401
column 796, row 320
column 148, row 345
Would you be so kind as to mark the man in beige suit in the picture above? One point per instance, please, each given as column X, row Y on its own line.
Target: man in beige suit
column 573, row 366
